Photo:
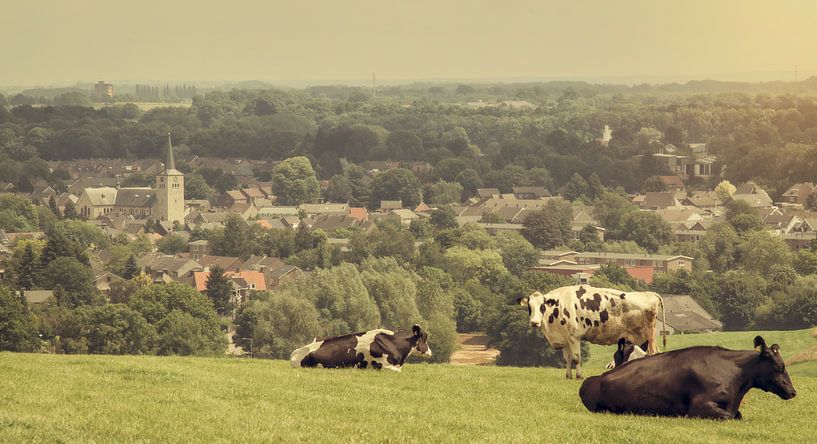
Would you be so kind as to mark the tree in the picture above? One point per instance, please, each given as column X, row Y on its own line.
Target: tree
column 435, row 301
column 52, row 205
column 470, row 182
column 595, row 189
column 720, row 246
column 760, row 250
column 725, row 190
column 443, row 218
column 303, row 239
column 172, row 244
column 341, row 299
column 575, row 188
column 17, row 331
column 131, row 268
column 549, row 227
column 111, row 329
column 339, row 189
column 445, row 193
column 518, row 254
column 396, row 184
column 610, row 210
column 394, row 291
column 737, row 296
column 653, row 183
column 195, row 187
column 277, row 323
column 72, row 281
column 234, row 239
column 70, row 211
column 185, row 321
column 392, row 239
column 28, row 271
column 811, row 202
column 485, row 266
column 805, row 262
column 219, row 288
column 648, row 230
column 294, row 181
column 616, row 275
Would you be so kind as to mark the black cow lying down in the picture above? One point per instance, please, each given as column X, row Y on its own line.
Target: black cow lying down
column 378, row 348
column 701, row 382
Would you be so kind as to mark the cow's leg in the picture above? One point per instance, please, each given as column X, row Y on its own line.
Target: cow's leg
column 701, row 407
column 576, row 353
column 652, row 347
column 568, row 362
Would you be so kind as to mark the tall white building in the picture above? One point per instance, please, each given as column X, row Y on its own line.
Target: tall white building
column 170, row 190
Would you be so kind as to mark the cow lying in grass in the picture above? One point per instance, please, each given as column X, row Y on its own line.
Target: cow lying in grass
column 626, row 352
column 700, row 382
column 379, row 348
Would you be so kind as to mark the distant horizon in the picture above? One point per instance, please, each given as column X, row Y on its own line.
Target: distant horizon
column 756, row 77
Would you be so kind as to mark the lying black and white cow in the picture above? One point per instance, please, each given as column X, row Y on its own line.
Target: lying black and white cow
column 379, row 348
column 702, row 382
column 626, row 352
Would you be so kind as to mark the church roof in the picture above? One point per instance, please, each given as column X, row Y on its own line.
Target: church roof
column 135, row 197
column 170, row 164
column 101, row 196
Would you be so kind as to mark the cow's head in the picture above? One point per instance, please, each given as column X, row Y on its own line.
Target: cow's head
column 770, row 373
column 627, row 351
column 421, row 346
column 537, row 306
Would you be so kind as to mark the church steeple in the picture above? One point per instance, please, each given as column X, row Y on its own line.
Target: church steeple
column 169, row 204
column 170, row 164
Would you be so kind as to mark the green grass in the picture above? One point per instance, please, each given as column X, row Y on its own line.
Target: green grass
column 129, row 398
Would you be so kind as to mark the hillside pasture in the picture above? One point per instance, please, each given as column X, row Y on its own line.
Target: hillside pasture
column 130, row 398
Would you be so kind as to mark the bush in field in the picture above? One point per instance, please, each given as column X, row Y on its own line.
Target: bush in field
column 111, row 329
column 278, row 323
column 17, row 332
column 185, row 320
column 394, row 291
column 519, row 344
column 342, row 300
column 435, row 300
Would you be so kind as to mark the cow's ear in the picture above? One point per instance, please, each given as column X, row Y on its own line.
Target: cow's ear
column 760, row 344
column 418, row 331
column 522, row 301
column 621, row 343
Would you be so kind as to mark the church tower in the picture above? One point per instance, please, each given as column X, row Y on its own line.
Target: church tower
column 170, row 190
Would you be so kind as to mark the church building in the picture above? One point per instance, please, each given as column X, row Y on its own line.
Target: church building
column 165, row 202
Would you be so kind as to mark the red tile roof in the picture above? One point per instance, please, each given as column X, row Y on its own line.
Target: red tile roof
column 251, row 277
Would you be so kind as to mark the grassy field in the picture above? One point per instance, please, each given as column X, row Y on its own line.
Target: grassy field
column 114, row 399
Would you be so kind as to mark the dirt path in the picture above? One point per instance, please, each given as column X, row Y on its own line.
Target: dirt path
column 473, row 350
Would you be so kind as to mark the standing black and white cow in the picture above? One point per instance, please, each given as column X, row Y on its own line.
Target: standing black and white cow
column 379, row 348
column 602, row 316
column 702, row 382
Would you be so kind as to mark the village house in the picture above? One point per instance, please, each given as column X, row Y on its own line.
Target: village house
column 797, row 194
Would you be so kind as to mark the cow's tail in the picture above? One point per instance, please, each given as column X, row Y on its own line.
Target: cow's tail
column 663, row 322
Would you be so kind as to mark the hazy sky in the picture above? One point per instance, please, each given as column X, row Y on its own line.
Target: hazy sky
column 59, row 41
